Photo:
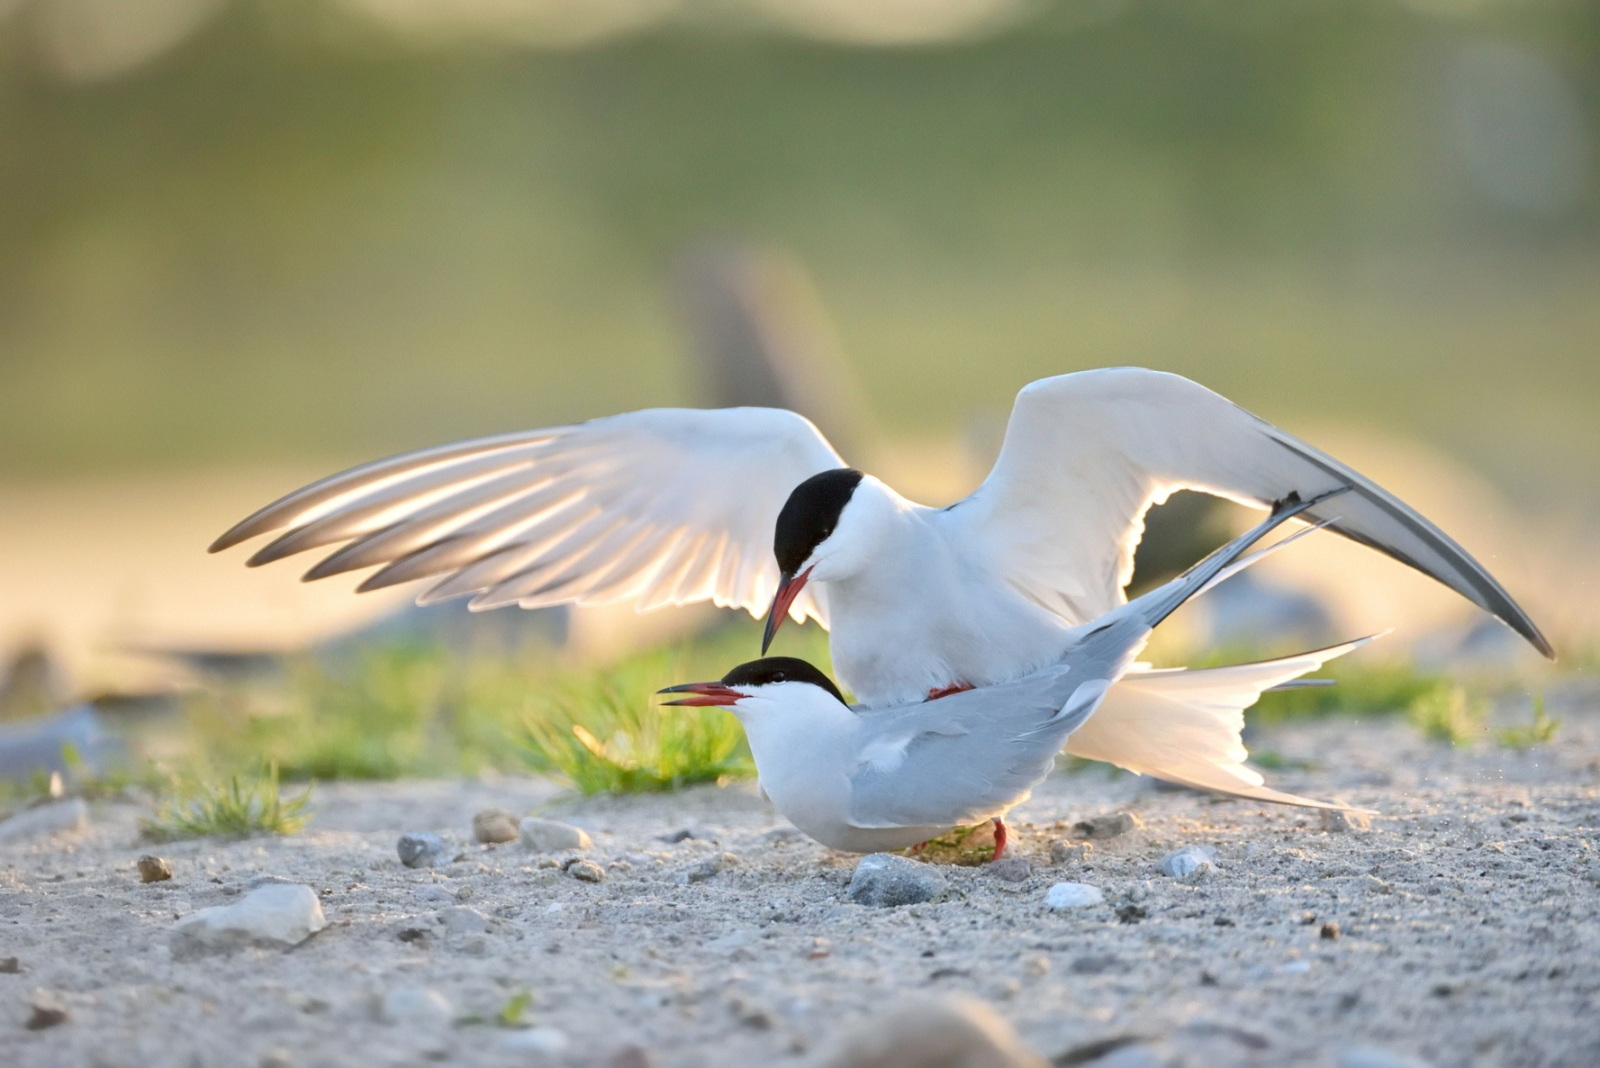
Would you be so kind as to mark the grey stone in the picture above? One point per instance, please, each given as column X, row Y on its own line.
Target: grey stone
column 1009, row 869
column 1062, row 852
column 706, row 869
column 552, row 836
column 423, row 849
column 586, row 871
column 69, row 815
column 268, row 880
column 1190, row 864
column 950, row 1032
column 273, row 916
column 1063, row 896
column 548, row 1041
column 883, row 880
column 1110, row 826
column 1370, row 1057
column 462, row 920
column 495, row 825
column 154, row 869
column 416, row 1006
column 1336, row 820
column 434, row 894
column 49, row 1010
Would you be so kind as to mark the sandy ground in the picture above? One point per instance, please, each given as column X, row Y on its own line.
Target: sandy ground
column 1467, row 917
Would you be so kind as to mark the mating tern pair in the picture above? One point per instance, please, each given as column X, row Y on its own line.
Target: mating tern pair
column 864, row 780
column 752, row 508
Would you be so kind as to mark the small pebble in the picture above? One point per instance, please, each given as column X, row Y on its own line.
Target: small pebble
column 154, row 869
column 416, row 1006
column 920, row 1031
column 1009, row 869
column 495, row 825
column 883, row 880
column 1111, row 826
column 273, row 916
column 433, row 893
column 706, row 869
column 631, row 1057
column 1336, row 820
column 1036, row 966
column 552, row 836
column 10, row 966
column 1330, row 931
column 1369, row 1057
column 48, row 1011
column 1190, row 864
column 423, row 849
column 1064, row 852
column 586, row 871
column 462, row 920
column 545, row 1040
column 1072, row 896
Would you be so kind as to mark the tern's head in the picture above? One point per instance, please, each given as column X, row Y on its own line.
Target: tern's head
column 780, row 681
column 829, row 529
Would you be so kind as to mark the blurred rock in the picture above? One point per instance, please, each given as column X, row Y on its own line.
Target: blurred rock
column 1369, row 1057
column 1072, row 896
column 49, row 1010
column 951, row 1032
column 494, row 825
column 586, row 871
column 1190, row 864
column 884, row 880
column 271, row 916
column 706, row 869
column 548, row 1041
column 1241, row 609
column 416, row 1006
column 1337, row 820
column 552, row 836
column 69, row 815
column 1011, row 869
column 40, row 744
column 423, row 849
column 1062, row 852
column 1112, row 826
column 154, row 869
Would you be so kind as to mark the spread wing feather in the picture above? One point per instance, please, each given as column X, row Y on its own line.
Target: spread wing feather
column 1086, row 454
column 656, row 507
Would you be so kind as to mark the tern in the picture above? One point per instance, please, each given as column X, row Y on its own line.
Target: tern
column 868, row 779
column 752, row 508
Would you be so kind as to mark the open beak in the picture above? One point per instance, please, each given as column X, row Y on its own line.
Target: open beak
column 704, row 693
column 789, row 587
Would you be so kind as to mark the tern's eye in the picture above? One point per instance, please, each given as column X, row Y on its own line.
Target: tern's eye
column 779, row 676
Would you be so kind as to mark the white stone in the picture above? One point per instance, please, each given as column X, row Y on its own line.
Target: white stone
column 1073, row 896
column 274, row 915
column 69, row 815
column 416, row 1006
column 547, row 1040
column 1190, row 864
column 552, row 836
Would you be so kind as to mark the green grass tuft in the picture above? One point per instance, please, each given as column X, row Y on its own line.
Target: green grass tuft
column 198, row 809
column 1540, row 731
column 606, row 732
column 1359, row 689
column 1447, row 714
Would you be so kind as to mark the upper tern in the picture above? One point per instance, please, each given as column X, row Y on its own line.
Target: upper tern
column 868, row 779
column 752, row 508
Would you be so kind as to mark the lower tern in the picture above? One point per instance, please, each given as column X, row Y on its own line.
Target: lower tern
column 868, row 779
column 752, row 508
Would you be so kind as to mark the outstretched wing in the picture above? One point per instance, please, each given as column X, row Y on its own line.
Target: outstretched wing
column 1087, row 454
column 656, row 507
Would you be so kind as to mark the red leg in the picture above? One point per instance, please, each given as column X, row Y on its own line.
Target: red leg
column 945, row 691
column 999, row 839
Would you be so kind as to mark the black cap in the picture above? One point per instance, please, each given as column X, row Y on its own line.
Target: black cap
column 770, row 669
column 810, row 514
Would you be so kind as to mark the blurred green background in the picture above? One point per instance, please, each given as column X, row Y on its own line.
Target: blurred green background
column 284, row 235
column 289, row 229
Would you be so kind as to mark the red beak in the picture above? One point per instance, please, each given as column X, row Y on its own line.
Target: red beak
column 704, row 693
column 789, row 587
